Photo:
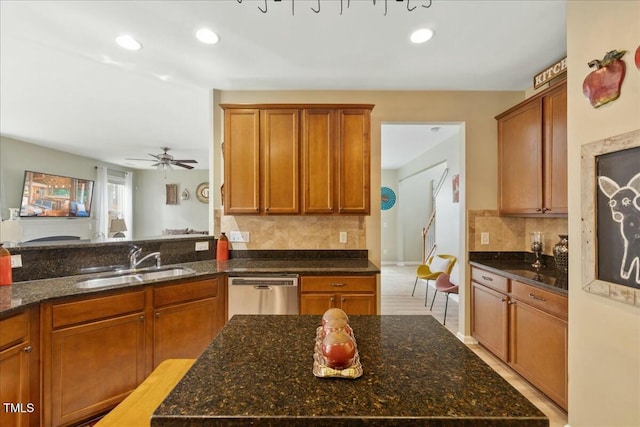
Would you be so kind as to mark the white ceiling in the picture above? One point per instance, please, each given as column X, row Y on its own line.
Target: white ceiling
column 66, row 84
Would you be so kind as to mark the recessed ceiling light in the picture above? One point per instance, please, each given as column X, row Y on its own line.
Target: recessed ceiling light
column 422, row 35
column 207, row 36
column 128, row 42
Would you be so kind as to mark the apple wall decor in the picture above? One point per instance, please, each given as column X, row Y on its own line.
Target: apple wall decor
column 638, row 57
column 602, row 85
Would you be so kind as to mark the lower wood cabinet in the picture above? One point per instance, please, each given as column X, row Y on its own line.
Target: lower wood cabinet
column 97, row 350
column 353, row 294
column 186, row 319
column 19, row 379
column 526, row 327
column 95, row 354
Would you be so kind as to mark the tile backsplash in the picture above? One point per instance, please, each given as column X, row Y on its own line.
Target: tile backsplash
column 294, row 232
column 513, row 233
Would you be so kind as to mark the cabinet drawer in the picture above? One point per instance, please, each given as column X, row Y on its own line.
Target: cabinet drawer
column 183, row 292
column 544, row 300
column 14, row 329
column 491, row 280
column 97, row 308
column 338, row 284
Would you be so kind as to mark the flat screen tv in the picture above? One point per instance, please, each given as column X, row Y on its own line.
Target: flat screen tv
column 48, row 195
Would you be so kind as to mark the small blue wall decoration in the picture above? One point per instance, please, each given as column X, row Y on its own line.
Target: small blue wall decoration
column 387, row 199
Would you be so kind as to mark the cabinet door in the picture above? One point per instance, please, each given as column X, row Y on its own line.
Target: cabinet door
column 354, row 161
column 311, row 303
column 280, row 160
column 555, row 150
column 538, row 350
column 94, row 366
column 489, row 319
column 520, row 160
column 357, row 303
column 183, row 331
column 242, row 161
column 14, row 386
column 318, row 160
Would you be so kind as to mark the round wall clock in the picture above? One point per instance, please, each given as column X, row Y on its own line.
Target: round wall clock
column 202, row 192
column 388, row 198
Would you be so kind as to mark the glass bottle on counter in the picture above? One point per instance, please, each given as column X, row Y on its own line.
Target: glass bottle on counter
column 222, row 249
column 5, row 267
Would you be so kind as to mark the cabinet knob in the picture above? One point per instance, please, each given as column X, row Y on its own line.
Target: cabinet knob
column 332, row 299
column 266, row 209
column 142, row 318
column 539, row 210
column 503, row 299
column 157, row 315
column 511, row 303
column 343, row 299
column 28, row 349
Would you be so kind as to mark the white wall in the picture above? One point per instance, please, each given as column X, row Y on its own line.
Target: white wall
column 450, row 216
column 151, row 214
column 604, row 335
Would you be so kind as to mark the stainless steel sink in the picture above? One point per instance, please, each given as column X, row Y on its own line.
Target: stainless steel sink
column 139, row 276
column 164, row 273
column 101, row 282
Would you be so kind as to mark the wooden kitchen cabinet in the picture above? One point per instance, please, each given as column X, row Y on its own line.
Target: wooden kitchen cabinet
column 539, row 339
column 95, row 354
column 353, row 294
column 276, row 165
column 19, row 378
column 526, row 327
column 187, row 316
column 261, row 161
column 532, row 155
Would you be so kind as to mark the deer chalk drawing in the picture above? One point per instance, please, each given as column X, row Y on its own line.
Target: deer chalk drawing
column 625, row 210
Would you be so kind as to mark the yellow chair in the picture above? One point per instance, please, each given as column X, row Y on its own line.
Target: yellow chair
column 432, row 270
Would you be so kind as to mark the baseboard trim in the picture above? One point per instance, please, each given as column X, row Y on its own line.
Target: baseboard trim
column 467, row 339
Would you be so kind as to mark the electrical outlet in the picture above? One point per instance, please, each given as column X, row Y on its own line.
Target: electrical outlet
column 239, row 237
column 202, row 246
column 343, row 237
column 16, row 261
column 484, row 238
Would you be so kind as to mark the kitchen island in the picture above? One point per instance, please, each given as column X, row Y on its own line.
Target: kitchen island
column 258, row 371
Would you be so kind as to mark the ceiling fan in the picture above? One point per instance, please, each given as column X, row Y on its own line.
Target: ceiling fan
column 165, row 160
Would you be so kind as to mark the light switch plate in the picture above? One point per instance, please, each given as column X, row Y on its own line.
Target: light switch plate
column 202, row 246
column 16, row 261
column 343, row 237
column 484, row 238
column 239, row 236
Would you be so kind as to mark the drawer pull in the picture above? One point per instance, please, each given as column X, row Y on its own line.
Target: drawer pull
column 28, row 349
column 490, row 279
column 537, row 298
column 336, row 284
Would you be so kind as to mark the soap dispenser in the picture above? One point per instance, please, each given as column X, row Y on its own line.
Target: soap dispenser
column 222, row 249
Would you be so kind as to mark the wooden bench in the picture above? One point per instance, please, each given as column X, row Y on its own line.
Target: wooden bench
column 137, row 408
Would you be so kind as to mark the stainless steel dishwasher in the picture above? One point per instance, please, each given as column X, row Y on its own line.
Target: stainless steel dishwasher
column 263, row 295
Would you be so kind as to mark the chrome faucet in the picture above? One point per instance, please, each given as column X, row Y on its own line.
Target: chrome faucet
column 136, row 251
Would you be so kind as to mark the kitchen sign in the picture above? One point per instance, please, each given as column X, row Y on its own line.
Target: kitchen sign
column 550, row 73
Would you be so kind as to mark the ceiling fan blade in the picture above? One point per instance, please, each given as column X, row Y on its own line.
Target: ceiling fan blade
column 183, row 165
column 156, row 164
column 156, row 156
column 144, row 160
column 185, row 161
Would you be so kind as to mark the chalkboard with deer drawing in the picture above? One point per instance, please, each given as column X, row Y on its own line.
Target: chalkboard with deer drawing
column 618, row 217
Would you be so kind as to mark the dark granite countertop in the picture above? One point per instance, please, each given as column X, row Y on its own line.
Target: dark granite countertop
column 21, row 295
column 518, row 267
column 258, row 371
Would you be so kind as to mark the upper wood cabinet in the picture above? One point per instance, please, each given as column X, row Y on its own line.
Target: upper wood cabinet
column 297, row 159
column 532, row 155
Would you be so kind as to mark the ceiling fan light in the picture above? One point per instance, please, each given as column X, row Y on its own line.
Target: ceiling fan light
column 127, row 42
column 421, row 36
column 207, row 36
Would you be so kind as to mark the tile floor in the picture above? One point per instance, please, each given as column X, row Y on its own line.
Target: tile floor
column 396, row 286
